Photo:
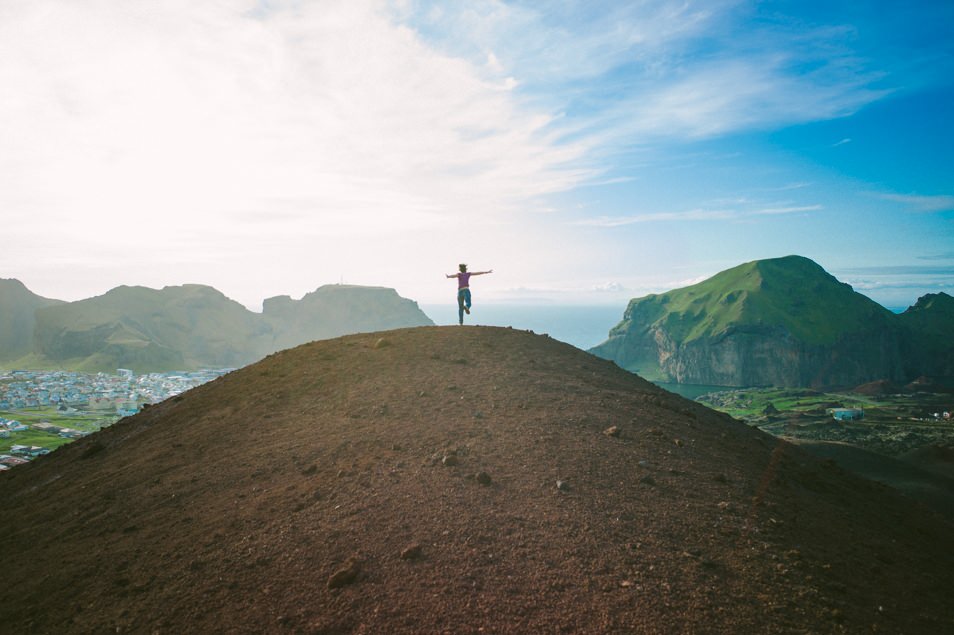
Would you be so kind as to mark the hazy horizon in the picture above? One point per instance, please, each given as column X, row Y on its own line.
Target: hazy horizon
column 529, row 302
column 588, row 152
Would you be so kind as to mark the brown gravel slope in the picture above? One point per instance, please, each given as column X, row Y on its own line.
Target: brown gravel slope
column 309, row 493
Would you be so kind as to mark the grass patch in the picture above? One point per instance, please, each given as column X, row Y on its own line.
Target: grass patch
column 892, row 425
column 84, row 421
column 32, row 437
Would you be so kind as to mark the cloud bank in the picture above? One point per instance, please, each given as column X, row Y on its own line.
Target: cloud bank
column 247, row 141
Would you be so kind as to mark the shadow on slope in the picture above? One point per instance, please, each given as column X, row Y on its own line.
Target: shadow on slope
column 934, row 490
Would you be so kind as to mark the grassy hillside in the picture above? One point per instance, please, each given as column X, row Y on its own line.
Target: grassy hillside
column 930, row 332
column 791, row 294
column 148, row 329
column 17, row 307
column 932, row 315
column 195, row 326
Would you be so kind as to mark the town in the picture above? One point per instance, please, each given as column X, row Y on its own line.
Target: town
column 42, row 410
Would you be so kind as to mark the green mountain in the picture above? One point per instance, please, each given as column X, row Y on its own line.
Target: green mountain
column 336, row 309
column 17, row 307
column 174, row 328
column 195, row 326
column 932, row 314
column 929, row 326
column 783, row 322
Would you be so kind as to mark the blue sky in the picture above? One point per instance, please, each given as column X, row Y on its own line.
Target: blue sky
column 588, row 152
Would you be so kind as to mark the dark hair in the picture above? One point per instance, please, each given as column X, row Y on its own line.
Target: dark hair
column 462, row 267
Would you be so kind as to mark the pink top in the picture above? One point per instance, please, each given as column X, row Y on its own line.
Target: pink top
column 463, row 280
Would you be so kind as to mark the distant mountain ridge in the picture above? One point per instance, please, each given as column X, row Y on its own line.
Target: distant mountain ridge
column 337, row 309
column 190, row 326
column 783, row 322
column 17, row 307
column 929, row 325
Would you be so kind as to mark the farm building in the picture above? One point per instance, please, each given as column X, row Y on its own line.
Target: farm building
column 847, row 414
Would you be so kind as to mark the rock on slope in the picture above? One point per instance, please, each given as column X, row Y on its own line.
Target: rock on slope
column 406, row 482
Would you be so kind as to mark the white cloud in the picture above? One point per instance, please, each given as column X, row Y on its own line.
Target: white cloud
column 735, row 93
column 942, row 256
column 790, row 209
column 689, row 215
column 698, row 214
column 201, row 116
column 244, row 142
column 915, row 203
column 642, row 71
column 609, row 287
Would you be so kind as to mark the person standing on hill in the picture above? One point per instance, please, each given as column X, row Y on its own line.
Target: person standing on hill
column 463, row 289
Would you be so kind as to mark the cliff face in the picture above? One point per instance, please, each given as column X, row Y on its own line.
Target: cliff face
column 781, row 322
column 773, row 357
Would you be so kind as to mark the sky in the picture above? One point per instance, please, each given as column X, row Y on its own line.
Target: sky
column 588, row 152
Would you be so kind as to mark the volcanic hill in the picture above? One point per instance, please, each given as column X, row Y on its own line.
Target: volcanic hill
column 456, row 479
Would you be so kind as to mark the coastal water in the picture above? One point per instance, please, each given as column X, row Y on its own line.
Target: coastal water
column 581, row 326
column 691, row 391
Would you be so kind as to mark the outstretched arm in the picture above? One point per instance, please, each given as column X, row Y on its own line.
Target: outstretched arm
column 452, row 275
column 480, row 273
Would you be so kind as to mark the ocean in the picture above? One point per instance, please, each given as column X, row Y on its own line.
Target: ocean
column 581, row 326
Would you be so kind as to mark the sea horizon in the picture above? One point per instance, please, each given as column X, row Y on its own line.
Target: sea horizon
column 582, row 326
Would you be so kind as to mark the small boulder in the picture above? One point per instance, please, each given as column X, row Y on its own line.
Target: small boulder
column 563, row 486
column 347, row 574
column 483, row 478
column 449, row 460
column 612, row 431
column 411, row 552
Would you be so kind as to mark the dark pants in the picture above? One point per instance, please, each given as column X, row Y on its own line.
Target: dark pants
column 463, row 299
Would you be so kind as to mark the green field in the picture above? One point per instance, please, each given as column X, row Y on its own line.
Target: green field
column 892, row 425
column 85, row 421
